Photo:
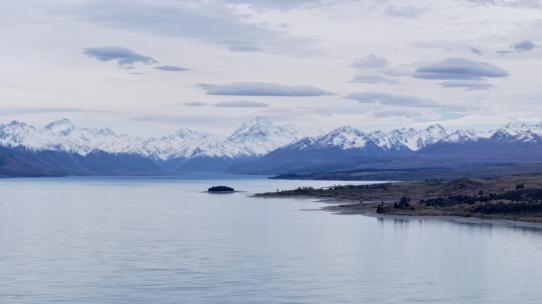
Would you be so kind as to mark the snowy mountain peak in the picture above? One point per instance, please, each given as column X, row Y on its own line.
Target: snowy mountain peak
column 347, row 129
column 468, row 135
column 189, row 133
column 261, row 128
column 345, row 137
column 436, row 130
column 17, row 125
column 514, row 128
column 62, row 125
column 258, row 126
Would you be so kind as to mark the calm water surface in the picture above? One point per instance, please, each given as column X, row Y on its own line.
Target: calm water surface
column 162, row 240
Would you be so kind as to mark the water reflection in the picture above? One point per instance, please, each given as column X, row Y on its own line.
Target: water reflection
column 115, row 240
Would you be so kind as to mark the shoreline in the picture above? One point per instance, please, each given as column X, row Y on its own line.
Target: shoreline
column 336, row 206
column 338, row 210
column 507, row 200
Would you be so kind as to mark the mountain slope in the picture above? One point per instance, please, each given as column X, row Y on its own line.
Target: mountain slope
column 257, row 146
column 16, row 162
column 181, row 151
column 347, row 148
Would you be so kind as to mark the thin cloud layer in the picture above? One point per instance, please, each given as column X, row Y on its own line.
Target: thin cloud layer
column 509, row 3
column 468, row 85
column 374, row 79
column 392, row 99
column 194, row 104
column 279, row 4
column 525, row 45
column 262, row 89
column 460, row 69
column 409, row 12
column 9, row 111
column 208, row 21
column 370, row 61
column 171, row 68
column 241, row 104
column 124, row 57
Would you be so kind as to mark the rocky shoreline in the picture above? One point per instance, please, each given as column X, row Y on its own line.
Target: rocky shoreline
column 507, row 198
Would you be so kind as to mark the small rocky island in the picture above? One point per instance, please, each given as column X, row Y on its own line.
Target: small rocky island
column 220, row 189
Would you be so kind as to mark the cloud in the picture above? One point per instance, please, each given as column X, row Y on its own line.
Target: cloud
column 467, row 85
column 396, row 100
column 518, row 47
column 460, row 69
column 194, row 104
column 171, row 68
column 262, row 89
column 374, row 79
column 280, row 4
column 370, row 61
column 241, row 104
column 409, row 12
column 124, row 57
column 241, row 46
column 6, row 111
column 509, row 3
column 215, row 22
column 476, row 51
column 525, row 45
column 244, row 48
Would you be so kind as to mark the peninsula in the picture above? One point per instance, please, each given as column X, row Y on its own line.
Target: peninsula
column 517, row 198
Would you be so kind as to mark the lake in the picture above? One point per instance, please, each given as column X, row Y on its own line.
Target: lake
column 164, row 240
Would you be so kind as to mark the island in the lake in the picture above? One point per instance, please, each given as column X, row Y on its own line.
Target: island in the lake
column 517, row 198
column 220, row 189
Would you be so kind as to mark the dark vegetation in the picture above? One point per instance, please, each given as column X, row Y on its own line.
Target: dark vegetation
column 510, row 197
column 220, row 189
column 445, row 173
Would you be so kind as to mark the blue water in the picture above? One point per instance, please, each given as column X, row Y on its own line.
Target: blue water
column 163, row 240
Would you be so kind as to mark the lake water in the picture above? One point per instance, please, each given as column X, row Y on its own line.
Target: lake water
column 162, row 240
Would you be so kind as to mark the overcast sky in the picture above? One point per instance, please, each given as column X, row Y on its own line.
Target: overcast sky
column 151, row 67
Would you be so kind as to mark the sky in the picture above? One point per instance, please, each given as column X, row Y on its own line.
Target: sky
column 148, row 68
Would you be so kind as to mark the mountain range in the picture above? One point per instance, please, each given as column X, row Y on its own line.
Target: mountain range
column 257, row 147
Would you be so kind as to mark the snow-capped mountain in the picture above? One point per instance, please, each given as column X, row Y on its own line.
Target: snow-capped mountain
column 347, row 148
column 254, row 138
column 257, row 146
column 347, row 138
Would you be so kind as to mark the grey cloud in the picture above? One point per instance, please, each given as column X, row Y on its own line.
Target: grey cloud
column 244, row 48
column 476, row 51
column 124, row 57
column 409, row 12
column 241, row 46
column 5, row 111
column 171, row 68
column 262, row 89
column 509, row 3
column 194, row 104
column 391, row 99
column 403, row 70
column 374, row 79
column 279, row 4
column 370, row 61
column 397, row 100
column 459, row 68
column 179, row 119
column 525, row 45
column 467, row 85
column 241, row 104
column 207, row 21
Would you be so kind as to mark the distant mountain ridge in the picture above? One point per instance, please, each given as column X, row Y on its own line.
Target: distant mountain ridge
column 257, row 147
column 254, row 138
column 347, row 148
